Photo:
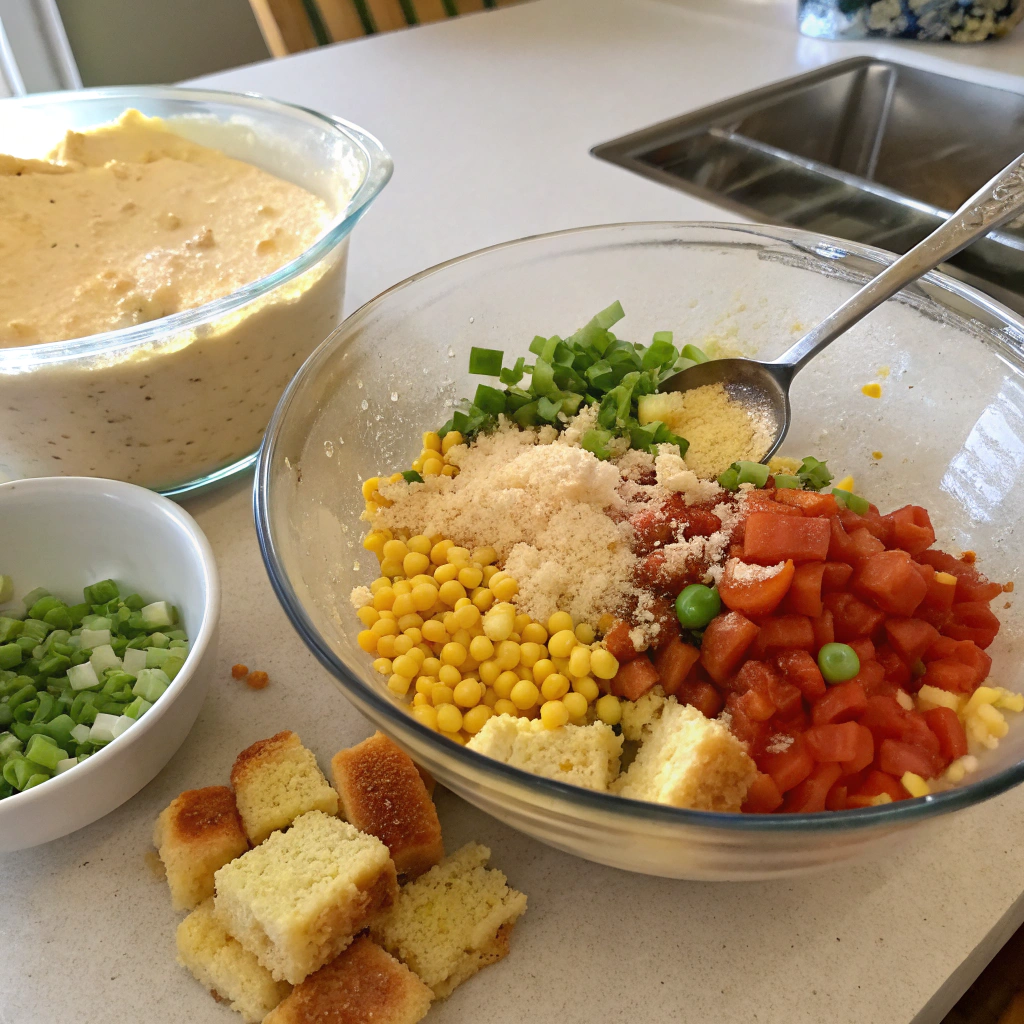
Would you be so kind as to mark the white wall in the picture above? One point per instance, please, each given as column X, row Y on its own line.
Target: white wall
column 130, row 42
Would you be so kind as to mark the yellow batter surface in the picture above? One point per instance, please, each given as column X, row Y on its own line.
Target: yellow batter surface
column 129, row 222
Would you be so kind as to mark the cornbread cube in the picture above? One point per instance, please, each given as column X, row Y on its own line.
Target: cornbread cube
column 198, row 832
column 687, row 760
column 297, row 899
column 362, row 985
column 452, row 921
column 219, row 963
column 275, row 781
column 582, row 755
column 383, row 794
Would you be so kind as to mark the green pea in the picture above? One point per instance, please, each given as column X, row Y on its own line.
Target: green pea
column 697, row 605
column 838, row 662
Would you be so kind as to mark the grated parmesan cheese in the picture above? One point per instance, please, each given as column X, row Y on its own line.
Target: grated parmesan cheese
column 361, row 597
column 747, row 572
column 779, row 743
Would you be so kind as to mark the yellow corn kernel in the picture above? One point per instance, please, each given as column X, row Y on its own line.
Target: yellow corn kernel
column 555, row 686
column 467, row 693
column 542, row 669
column 505, row 707
column 485, row 556
column 384, row 598
column 425, row 715
column 947, row 579
column 585, row 633
column 603, row 663
column 605, row 622
column 458, row 555
column 432, row 440
column 507, row 654
column 385, row 627
column 846, row 484
column 558, row 622
column 608, row 709
column 579, row 661
column 411, row 621
column 374, row 542
column 403, row 665
column 523, row 672
column 395, row 550
column 439, row 552
column 524, row 694
column 561, row 665
column 445, row 574
column 391, row 568
column 417, row 653
column 933, row 697
column 431, row 665
column 531, row 653
column 475, row 718
column 481, row 649
column 370, row 487
column 504, row 589
column 399, row 684
column 435, row 632
column 561, row 643
column 955, row 772
column 453, row 654
column 461, row 636
column 403, row 605
column 367, row 640
column 514, row 637
column 419, row 545
column 1009, row 701
column 470, row 576
column 522, row 621
column 368, row 615
column 490, row 698
column 490, row 571
column 488, row 670
column 426, row 684
column 499, row 621
column 982, row 695
column 450, row 440
column 403, row 644
column 421, row 699
column 977, row 729
column 993, row 719
column 504, row 683
column 449, row 718
column 873, row 390
column 449, row 471
column 441, row 693
column 534, row 633
column 904, row 700
column 554, row 714
column 401, row 587
column 483, row 598
column 379, row 584
column 455, row 737
column 383, row 666
column 575, row 704
column 463, row 602
column 449, row 622
column 386, row 647
column 468, row 615
column 386, row 614
column 449, row 675
column 415, row 563
column 914, row 784
column 423, row 577
column 432, row 467
column 881, row 798
column 586, row 687
column 451, row 591
column 423, row 596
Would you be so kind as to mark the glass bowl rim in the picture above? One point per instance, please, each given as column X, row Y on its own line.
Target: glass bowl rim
column 573, row 800
column 379, row 167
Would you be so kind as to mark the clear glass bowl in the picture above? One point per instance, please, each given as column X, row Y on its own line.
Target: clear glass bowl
column 950, row 426
column 182, row 402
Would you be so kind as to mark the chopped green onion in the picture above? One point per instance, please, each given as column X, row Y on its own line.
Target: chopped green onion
column 730, row 479
column 814, row 474
column 151, row 684
column 485, row 361
column 90, row 638
column 83, row 677
column 783, row 481
column 102, row 730
column 10, row 655
column 101, row 593
column 41, row 750
column 6, row 589
column 34, row 780
column 751, row 473
column 854, row 502
column 10, row 629
column 65, row 764
column 137, row 708
column 157, row 614
column 694, row 353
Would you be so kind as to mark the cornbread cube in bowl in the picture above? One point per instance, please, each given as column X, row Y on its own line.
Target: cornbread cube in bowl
column 452, row 921
column 298, row 899
column 276, row 780
column 360, row 985
column 197, row 833
column 382, row 793
column 219, row 963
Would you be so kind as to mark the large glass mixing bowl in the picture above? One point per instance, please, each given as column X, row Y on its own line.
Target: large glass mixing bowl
column 949, row 427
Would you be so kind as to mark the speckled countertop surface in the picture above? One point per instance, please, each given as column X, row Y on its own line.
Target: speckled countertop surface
column 86, row 928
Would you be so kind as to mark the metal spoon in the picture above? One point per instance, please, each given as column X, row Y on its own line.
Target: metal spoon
column 766, row 385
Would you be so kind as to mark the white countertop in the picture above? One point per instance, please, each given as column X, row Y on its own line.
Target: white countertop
column 490, row 119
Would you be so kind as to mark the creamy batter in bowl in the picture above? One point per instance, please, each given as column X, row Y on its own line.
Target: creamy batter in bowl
column 182, row 401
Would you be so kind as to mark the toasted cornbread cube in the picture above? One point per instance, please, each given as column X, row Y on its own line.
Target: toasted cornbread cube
column 275, row 781
column 219, row 963
column 198, row 832
column 687, row 760
column 383, row 794
column 453, row 920
column 297, row 899
column 362, row 985
column 582, row 755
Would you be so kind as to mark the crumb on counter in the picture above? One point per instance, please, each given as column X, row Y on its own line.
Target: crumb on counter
column 239, row 671
column 873, row 390
column 257, row 680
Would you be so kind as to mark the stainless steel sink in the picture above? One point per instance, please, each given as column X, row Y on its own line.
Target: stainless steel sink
column 864, row 149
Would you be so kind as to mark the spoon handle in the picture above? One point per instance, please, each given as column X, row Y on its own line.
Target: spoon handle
column 992, row 205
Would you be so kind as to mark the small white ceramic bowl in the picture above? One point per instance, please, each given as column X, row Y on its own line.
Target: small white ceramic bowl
column 64, row 533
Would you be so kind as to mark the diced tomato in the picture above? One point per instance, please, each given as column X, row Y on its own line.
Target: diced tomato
column 840, row 703
column 911, row 529
column 725, row 641
column 810, row 503
column 634, row 678
column 800, row 669
column 878, row 783
column 853, row 617
column 884, row 717
column 946, row 726
column 971, row 654
column 769, row 538
column 971, row 585
column 754, row 674
column 897, row 671
column 789, row 767
column 786, row 697
column 851, row 547
column 941, row 647
column 824, row 629
column 804, row 597
column 810, row 794
column 701, row 695
column 938, row 600
column 895, row 758
column 757, row 705
column 656, row 573
column 763, row 797
column 864, row 649
column 950, row 674
column 834, row 742
column 837, row 799
column 754, row 733
column 917, row 733
column 877, row 525
column 872, row 677
column 972, row 620
column 864, row 751
column 671, row 521
column 754, row 596
column 910, row 638
column 663, row 614
column 786, row 632
column 619, row 644
column 674, row 662
column 889, row 579
column 835, row 576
